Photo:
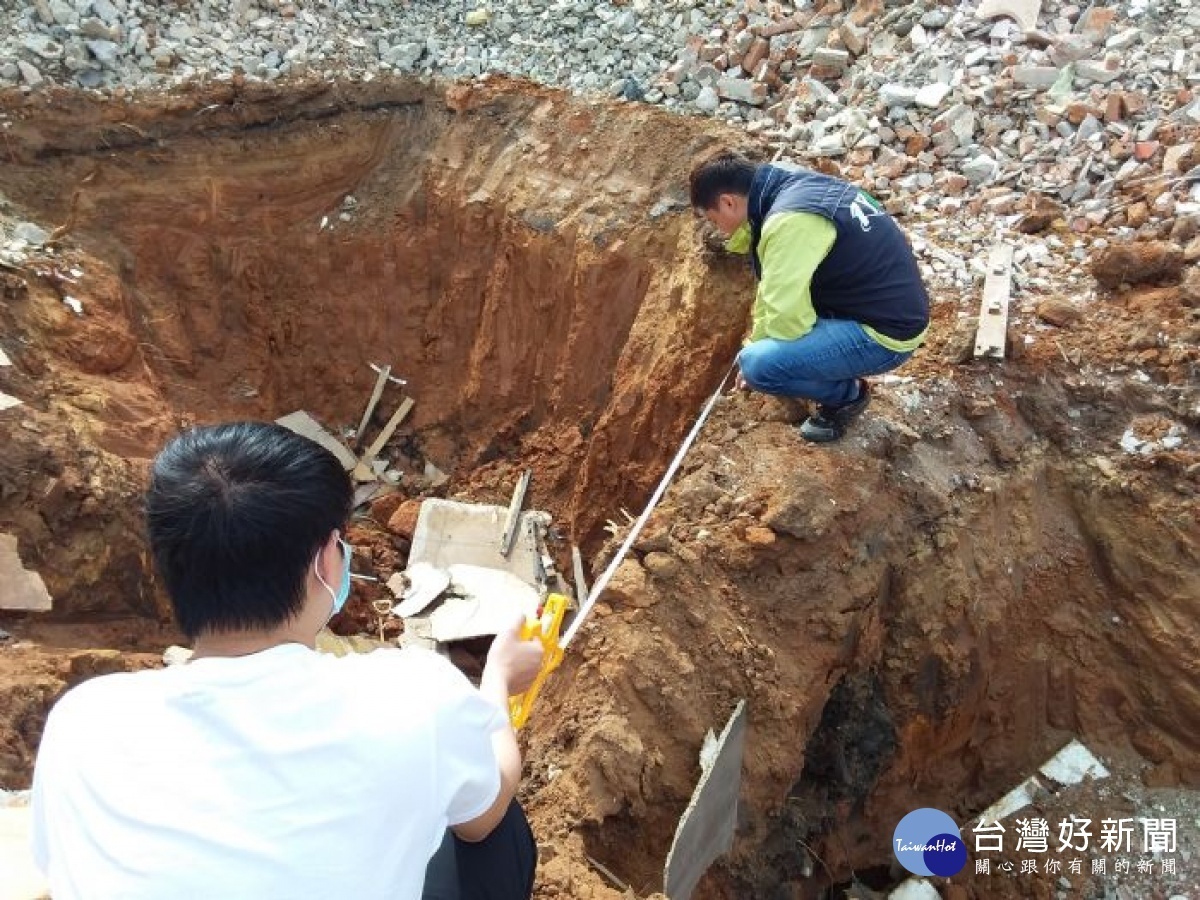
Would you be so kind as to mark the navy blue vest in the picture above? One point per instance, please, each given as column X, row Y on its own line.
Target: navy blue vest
column 870, row 275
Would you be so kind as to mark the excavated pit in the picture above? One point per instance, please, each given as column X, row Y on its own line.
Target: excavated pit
column 917, row 617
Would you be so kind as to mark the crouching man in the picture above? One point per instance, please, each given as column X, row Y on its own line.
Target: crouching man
column 839, row 295
column 261, row 768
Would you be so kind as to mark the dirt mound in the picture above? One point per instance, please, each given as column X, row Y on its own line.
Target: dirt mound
column 916, row 616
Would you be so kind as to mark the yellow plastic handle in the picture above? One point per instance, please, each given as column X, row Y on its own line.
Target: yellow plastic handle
column 545, row 629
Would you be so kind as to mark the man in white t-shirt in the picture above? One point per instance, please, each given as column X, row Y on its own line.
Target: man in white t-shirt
column 262, row 769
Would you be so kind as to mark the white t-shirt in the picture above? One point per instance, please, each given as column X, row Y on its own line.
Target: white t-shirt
column 284, row 775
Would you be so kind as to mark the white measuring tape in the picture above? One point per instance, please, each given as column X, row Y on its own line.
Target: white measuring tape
column 606, row 576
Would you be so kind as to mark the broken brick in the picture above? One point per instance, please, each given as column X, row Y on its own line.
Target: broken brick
column 756, row 54
column 1144, row 150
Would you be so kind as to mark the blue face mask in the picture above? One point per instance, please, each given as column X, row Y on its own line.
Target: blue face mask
column 343, row 591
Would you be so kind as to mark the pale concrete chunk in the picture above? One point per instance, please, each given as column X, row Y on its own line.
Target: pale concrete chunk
column 7, row 401
column 1023, row 12
column 4, row 360
column 487, row 601
column 306, row 426
column 707, row 826
column 20, row 588
column 450, row 533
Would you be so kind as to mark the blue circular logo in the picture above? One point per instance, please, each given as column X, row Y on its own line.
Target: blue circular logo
column 927, row 842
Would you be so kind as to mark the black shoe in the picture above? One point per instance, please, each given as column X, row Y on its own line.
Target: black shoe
column 830, row 422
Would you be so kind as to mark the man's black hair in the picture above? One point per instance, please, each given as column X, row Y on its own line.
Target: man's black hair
column 236, row 515
column 724, row 172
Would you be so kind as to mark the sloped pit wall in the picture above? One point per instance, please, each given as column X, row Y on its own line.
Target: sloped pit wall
column 911, row 623
column 528, row 263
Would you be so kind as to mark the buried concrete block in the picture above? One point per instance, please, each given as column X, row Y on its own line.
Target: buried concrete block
column 20, row 588
column 706, row 828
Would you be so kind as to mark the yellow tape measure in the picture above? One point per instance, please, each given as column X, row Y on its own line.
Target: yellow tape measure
column 546, row 630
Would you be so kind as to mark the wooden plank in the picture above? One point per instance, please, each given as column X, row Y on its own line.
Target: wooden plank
column 376, row 393
column 581, row 590
column 993, row 308
column 306, row 426
column 514, row 513
column 393, row 423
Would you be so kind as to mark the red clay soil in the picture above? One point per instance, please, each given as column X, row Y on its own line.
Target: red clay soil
column 917, row 616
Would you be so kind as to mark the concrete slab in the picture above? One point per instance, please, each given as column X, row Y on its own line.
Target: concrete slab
column 449, row 533
column 707, row 826
column 20, row 588
column 304, row 424
column 7, row 401
column 21, row 879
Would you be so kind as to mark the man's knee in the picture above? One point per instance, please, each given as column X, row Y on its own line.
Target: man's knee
column 756, row 363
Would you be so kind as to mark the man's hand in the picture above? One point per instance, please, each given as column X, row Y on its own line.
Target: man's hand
column 512, row 661
column 739, row 383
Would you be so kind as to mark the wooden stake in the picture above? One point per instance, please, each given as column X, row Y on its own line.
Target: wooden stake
column 392, row 424
column 376, row 393
column 514, row 513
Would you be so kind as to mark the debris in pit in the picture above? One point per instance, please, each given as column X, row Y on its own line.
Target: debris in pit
column 1172, row 439
column 1138, row 263
column 176, row 655
column 993, row 307
column 23, row 589
column 306, row 426
column 1069, row 766
column 457, row 555
column 417, row 587
column 7, row 401
column 706, row 828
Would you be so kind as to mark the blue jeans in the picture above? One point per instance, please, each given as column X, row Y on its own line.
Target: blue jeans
column 824, row 365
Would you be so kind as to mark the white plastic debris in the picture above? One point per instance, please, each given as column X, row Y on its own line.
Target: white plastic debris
column 176, row 655
column 74, row 305
column 1072, row 764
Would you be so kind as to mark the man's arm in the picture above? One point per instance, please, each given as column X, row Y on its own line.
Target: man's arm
column 512, row 665
column 791, row 247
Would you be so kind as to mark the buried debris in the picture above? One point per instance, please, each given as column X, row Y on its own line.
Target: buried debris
column 707, row 826
column 459, row 584
column 20, row 588
column 306, row 426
